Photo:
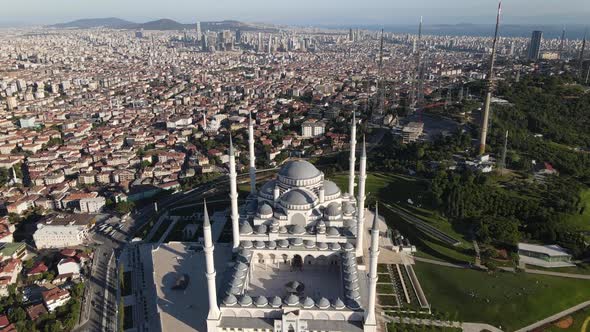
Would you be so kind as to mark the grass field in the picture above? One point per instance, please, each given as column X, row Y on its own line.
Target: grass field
column 578, row 320
column 581, row 221
column 396, row 190
column 506, row 300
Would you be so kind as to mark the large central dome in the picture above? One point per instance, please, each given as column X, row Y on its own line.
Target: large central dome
column 299, row 170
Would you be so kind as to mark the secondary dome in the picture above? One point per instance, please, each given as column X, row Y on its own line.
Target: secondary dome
column 299, row 170
column 265, row 209
column 297, row 197
column 330, row 188
column 333, row 209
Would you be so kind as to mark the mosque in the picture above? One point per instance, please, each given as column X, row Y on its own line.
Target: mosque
column 299, row 260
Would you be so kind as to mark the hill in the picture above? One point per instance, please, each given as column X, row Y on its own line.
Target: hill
column 110, row 22
column 161, row 24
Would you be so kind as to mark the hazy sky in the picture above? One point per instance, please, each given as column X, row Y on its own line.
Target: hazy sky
column 300, row 11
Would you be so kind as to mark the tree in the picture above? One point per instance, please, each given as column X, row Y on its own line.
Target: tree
column 17, row 315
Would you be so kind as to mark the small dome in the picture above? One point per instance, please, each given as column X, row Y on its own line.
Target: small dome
column 297, row 230
column 353, row 304
column 338, row 304
column 261, row 301
column 283, row 243
column 322, row 246
column 297, row 242
column 355, row 295
column 246, row 244
column 237, row 282
column 352, row 286
column 245, row 253
column 246, row 229
column 333, row 210
column 241, row 267
column 333, row 231
column 265, row 209
column 299, row 170
column 261, row 229
column 292, row 300
column 347, row 208
column 246, row 301
column 298, row 197
column 239, row 274
column 309, row 244
column 276, row 302
column 283, row 230
column 330, row 188
column 351, row 277
column 348, row 246
column 308, row 303
column 271, row 244
column 335, row 246
column 230, row 300
column 233, row 291
column 259, row 244
column 323, row 303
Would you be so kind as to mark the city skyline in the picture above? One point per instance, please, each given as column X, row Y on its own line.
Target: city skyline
column 326, row 13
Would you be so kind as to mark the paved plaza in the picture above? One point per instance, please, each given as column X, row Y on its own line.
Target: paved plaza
column 319, row 281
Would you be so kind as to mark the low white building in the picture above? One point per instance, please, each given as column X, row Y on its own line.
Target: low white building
column 67, row 266
column 62, row 230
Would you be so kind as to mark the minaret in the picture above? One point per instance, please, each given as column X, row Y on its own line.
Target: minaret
column 233, row 195
column 352, row 155
column 360, row 223
column 214, row 316
column 370, row 318
column 252, row 156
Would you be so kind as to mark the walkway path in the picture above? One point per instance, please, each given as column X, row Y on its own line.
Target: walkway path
column 442, row 263
column 467, row 327
column 554, row 317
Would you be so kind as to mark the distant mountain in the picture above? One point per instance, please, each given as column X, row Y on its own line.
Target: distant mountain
column 110, row 22
column 161, row 24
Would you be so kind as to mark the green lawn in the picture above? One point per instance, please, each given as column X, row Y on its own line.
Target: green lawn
column 396, row 189
column 579, row 318
column 581, row 221
column 506, row 300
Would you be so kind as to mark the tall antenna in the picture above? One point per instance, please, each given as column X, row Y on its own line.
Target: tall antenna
column 503, row 162
column 561, row 44
column 582, row 53
column 419, row 62
column 382, row 86
column 490, row 87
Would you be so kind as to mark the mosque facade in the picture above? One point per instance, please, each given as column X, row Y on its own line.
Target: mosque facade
column 299, row 262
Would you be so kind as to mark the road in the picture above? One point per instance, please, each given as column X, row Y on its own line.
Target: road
column 100, row 303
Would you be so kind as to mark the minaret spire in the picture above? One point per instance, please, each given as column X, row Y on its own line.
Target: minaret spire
column 370, row 318
column 214, row 312
column 360, row 223
column 252, row 155
column 352, row 155
column 233, row 195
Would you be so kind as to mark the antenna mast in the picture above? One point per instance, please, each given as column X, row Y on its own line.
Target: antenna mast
column 490, row 87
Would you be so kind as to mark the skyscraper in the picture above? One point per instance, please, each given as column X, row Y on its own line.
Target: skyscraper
column 535, row 45
column 198, row 30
